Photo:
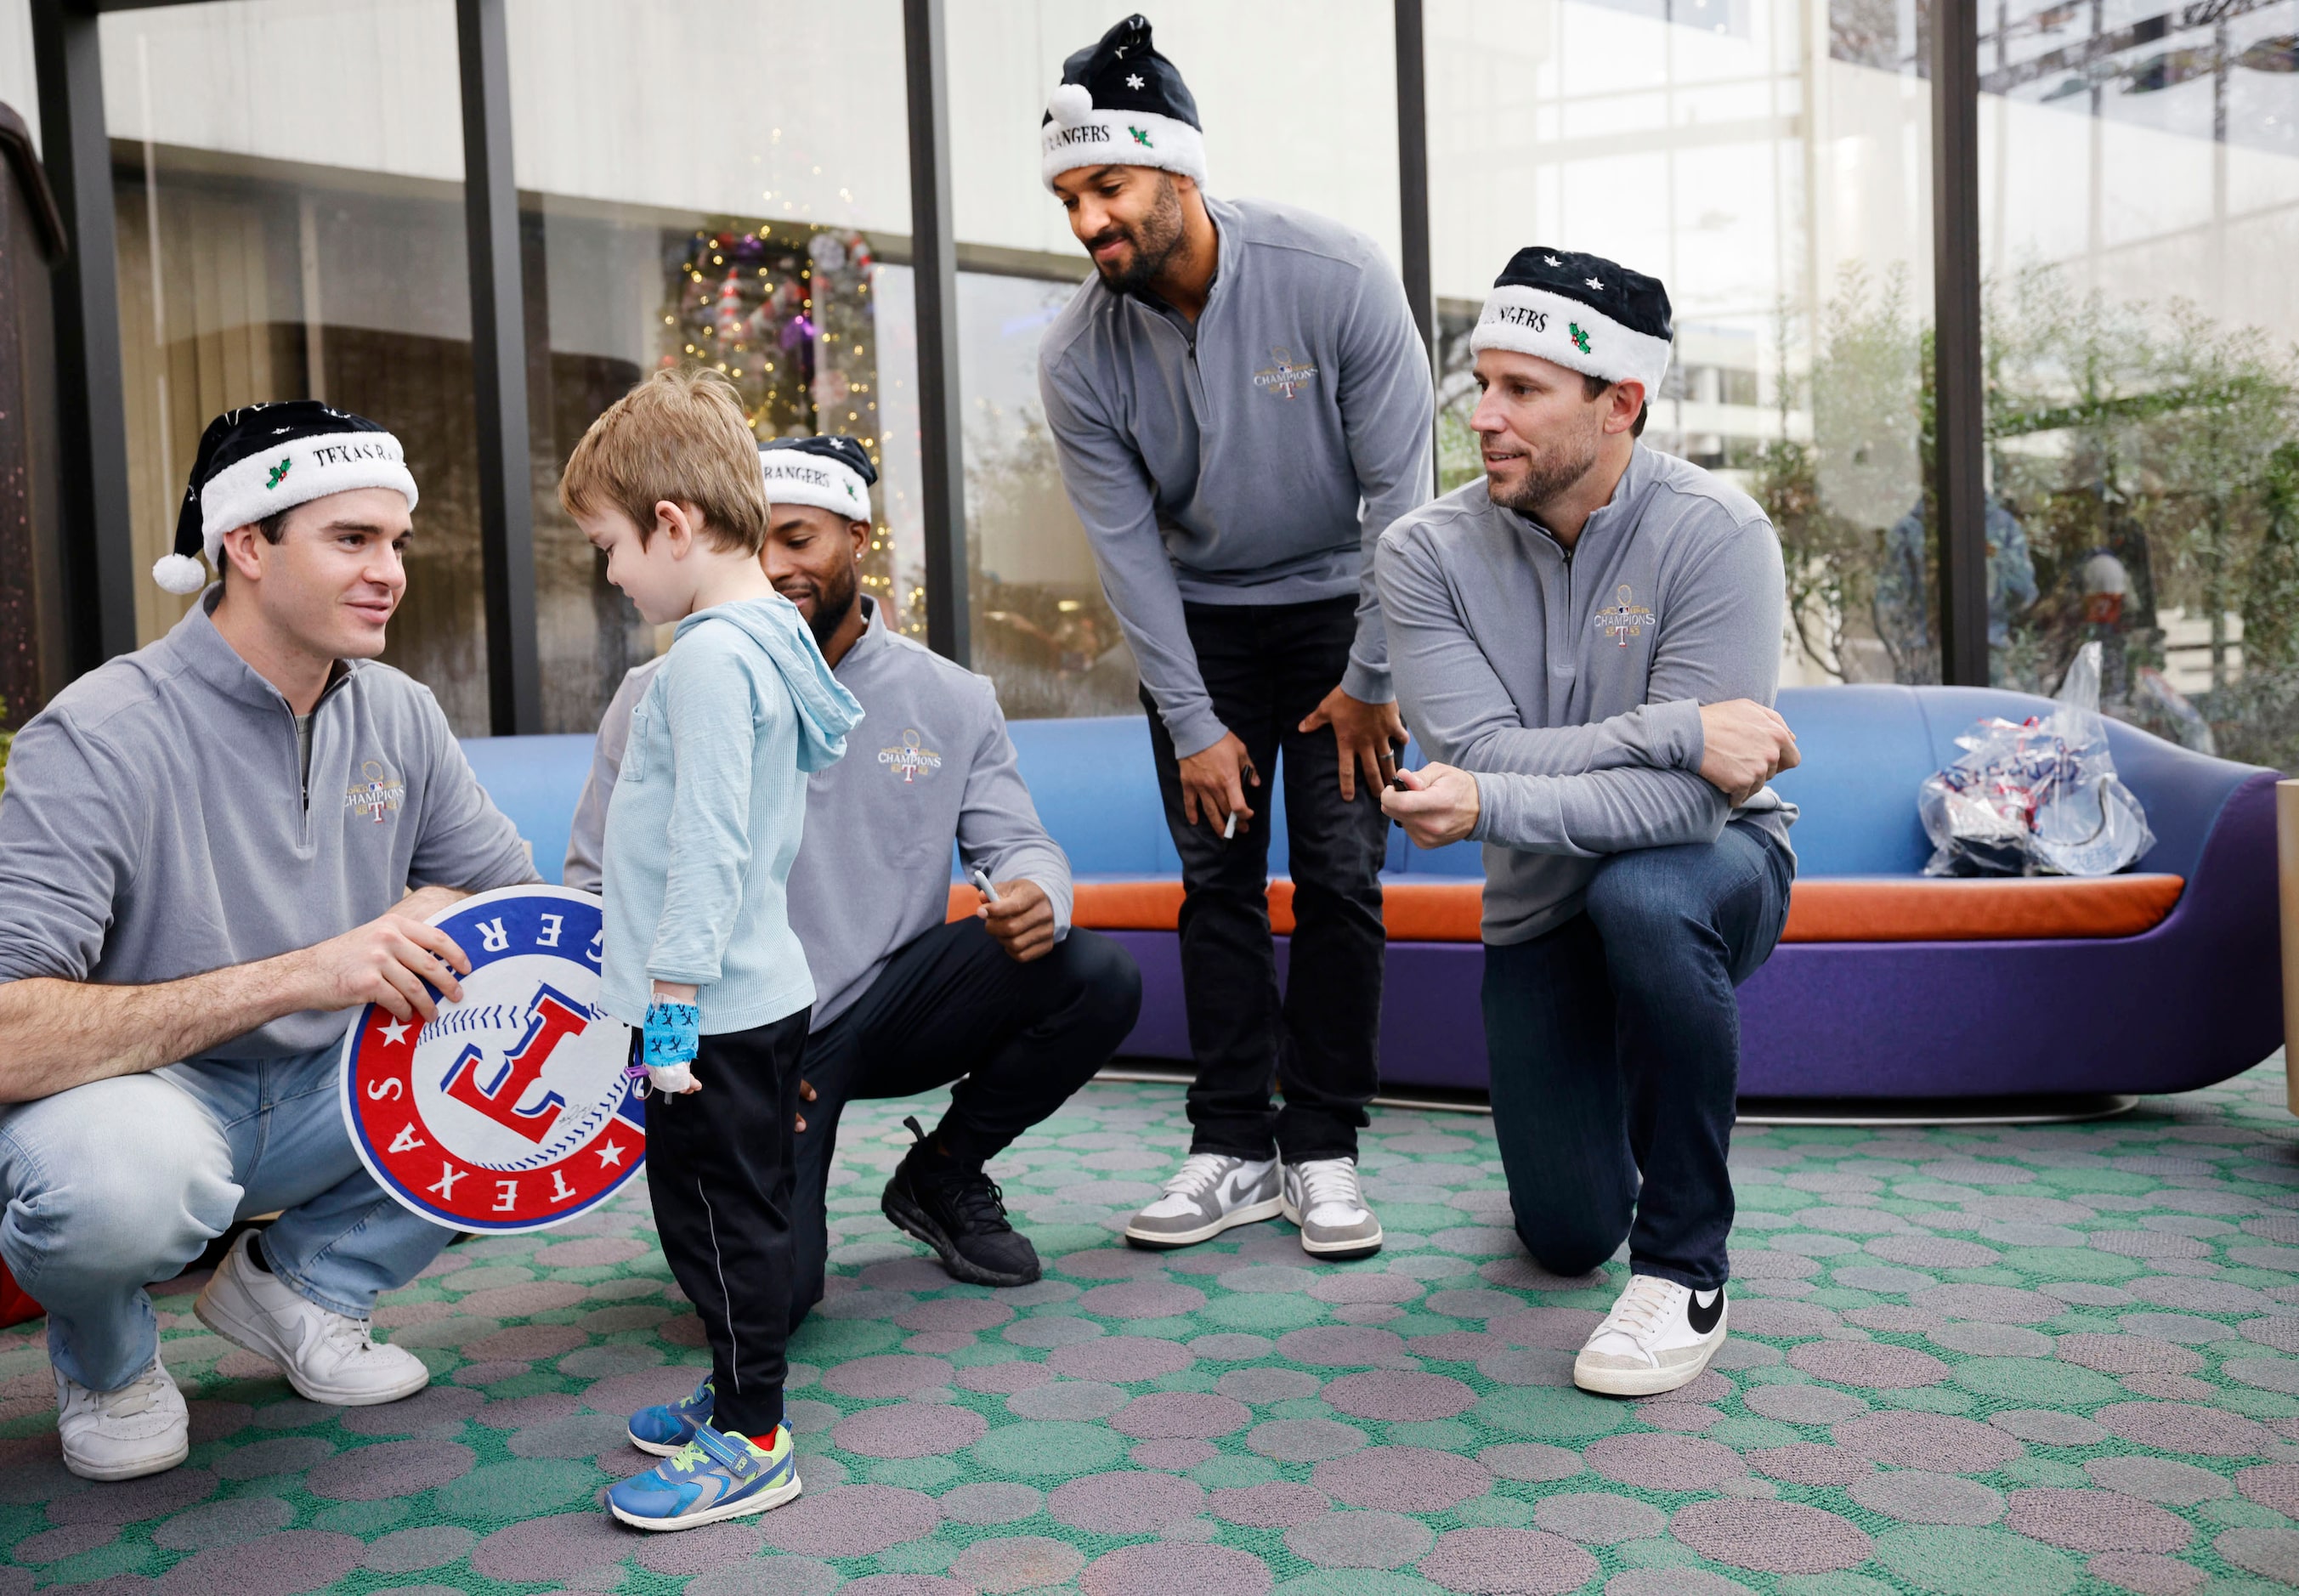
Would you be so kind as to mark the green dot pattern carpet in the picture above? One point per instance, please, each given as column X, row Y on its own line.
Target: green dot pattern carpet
column 1982, row 1361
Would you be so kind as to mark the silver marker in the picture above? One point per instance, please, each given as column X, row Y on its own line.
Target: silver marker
column 1229, row 832
column 982, row 885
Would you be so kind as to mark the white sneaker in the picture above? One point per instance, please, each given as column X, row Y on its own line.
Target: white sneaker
column 328, row 1357
column 140, row 1429
column 1659, row 1336
column 1324, row 1197
column 1208, row 1193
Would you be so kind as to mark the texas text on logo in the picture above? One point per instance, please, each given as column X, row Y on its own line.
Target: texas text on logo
column 1624, row 620
column 909, row 758
column 513, row 1108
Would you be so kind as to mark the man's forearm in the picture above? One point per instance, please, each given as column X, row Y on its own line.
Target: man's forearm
column 1603, row 812
column 55, row 1035
column 1652, row 736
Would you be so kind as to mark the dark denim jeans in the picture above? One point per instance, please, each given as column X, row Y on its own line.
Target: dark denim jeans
column 1615, row 1048
column 1019, row 1039
column 1266, row 666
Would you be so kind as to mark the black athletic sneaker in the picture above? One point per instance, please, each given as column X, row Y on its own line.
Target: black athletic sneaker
column 959, row 1213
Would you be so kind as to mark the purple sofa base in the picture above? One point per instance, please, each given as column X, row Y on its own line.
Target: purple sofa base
column 2195, row 1000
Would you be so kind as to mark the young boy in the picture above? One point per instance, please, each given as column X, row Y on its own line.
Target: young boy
column 699, row 956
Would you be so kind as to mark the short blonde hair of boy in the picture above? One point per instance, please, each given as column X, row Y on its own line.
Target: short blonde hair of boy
column 679, row 435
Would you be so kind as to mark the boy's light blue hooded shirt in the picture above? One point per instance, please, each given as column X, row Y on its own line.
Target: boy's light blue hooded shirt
column 707, row 815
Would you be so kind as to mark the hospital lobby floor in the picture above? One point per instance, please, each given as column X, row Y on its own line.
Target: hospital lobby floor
column 1971, row 1361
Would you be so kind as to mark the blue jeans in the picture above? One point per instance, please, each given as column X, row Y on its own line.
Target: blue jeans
column 125, row 1181
column 1616, row 1047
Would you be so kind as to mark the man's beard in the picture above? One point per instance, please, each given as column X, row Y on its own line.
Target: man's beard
column 1156, row 240
column 1547, row 478
column 832, row 606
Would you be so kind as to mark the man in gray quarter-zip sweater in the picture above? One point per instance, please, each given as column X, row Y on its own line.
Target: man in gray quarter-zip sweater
column 1241, row 404
column 203, row 850
column 1589, row 638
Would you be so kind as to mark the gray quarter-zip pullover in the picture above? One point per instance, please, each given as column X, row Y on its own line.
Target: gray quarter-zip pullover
column 1252, row 458
column 155, row 824
column 931, row 765
column 1571, row 683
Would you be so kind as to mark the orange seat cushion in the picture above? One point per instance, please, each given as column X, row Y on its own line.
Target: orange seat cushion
column 1820, row 909
column 1947, row 908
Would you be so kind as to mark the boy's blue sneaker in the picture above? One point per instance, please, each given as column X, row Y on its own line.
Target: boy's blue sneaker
column 714, row 1477
column 664, row 1429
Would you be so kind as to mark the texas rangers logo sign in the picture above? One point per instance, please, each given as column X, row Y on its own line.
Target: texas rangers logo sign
column 512, row 1110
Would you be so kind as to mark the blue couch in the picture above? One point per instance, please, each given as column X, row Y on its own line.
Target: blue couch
column 2189, row 997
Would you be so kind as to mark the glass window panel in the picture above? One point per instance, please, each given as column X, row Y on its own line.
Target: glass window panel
column 19, row 80
column 1768, row 161
column 287, row 229
column 1299, row 98
column 2140, row 211
column 757, row 232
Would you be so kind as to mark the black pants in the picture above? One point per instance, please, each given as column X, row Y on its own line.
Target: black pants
column 719, row 1168
column 1615, row 1048
column 1266, row 667
column 951, row 1004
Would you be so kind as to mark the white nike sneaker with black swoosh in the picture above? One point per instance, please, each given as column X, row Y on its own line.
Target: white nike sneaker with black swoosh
column 1209, row 1193
column 1659, row 1336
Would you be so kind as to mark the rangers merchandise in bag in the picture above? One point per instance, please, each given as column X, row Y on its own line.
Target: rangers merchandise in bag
column 2038, row 798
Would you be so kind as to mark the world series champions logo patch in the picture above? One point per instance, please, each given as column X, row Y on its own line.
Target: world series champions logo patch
column 512, row 1110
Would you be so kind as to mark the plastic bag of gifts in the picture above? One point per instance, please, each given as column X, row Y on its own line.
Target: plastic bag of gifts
column 2038, row 798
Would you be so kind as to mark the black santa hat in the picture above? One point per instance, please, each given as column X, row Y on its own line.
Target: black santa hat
column 261, row 459
column 1122, row 104
column 1585, row 312
column 833, row 472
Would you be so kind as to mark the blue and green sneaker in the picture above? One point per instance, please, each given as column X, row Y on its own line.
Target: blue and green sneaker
column 663, row 1429
column 714, row 1477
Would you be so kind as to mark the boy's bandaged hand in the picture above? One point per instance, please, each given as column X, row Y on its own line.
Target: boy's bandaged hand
column 667, row 1047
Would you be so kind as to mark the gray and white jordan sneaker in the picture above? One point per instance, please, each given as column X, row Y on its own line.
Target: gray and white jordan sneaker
column 1210, row 1192
column 1324, row 1197
column 1659, row 1336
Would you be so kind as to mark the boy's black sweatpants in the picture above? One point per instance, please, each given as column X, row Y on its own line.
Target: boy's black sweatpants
column 719, row 1167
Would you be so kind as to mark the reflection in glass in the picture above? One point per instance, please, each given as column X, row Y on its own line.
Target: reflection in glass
column 2140, row 208
column 1772, row 175
column 266, row 251
column 1043, row 630
column 749, row 232
column 785, row 311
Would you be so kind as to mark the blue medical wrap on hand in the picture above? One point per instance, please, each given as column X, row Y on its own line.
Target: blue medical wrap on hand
column 673, row 1034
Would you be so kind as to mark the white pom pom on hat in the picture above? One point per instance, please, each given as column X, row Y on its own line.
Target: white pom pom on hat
column 179, row 573
column 1070, row 104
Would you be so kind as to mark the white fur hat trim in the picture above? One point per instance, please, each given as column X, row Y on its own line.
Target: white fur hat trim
column 1118, row 139
column 298, row 471
column 1536, row 321
column 800, row 476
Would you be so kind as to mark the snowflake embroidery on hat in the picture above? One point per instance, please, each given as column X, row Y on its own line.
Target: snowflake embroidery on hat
column 1133, row 80
column 1579, row 338
column 1552, row 260
column 1592, row 282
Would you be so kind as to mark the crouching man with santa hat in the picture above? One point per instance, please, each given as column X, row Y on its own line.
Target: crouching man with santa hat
column 206, row 849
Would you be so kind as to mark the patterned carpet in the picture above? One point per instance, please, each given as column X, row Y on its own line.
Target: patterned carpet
column 1977, row 1362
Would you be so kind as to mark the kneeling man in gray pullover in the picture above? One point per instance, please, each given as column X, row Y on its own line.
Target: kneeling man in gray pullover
column 1590, row 637
column 205, row 852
